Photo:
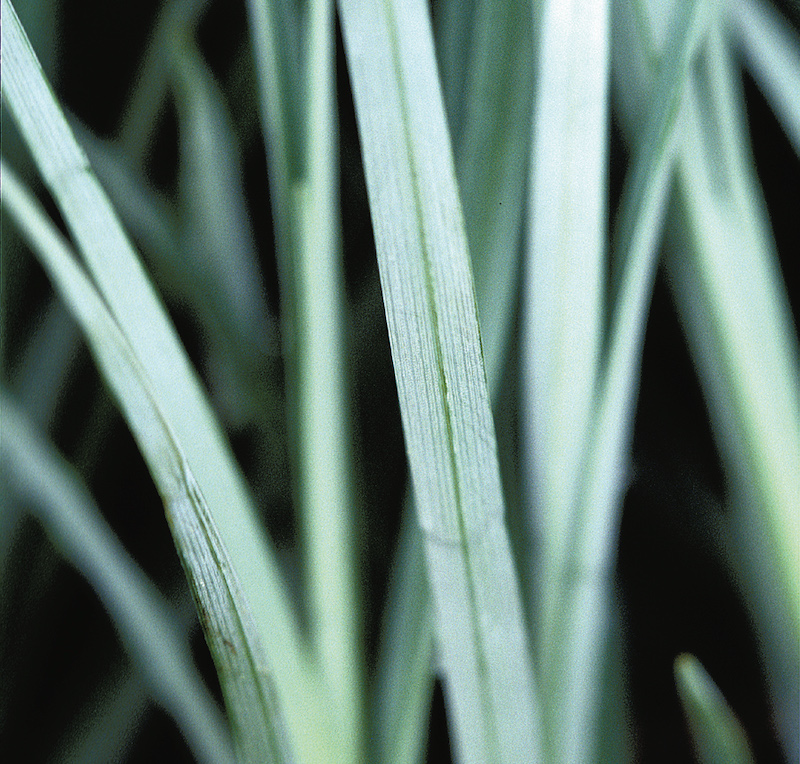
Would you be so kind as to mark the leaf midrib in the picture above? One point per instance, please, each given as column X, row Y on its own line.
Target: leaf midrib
column 482, row 662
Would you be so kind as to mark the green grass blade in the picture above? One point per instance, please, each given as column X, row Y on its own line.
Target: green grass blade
column 453, row 30
column 39, row 377
column 147, row 626
column 491, row 162
column 563, row 303
column 147, row 215
column 218, row 236
column 717, row 735
column 586, row 596
column 732, row 303
column 304, row 175
column 225, row 615
column 490, row 129
column 404, row 674
column 747, row 353
column 179, row 18
column 275, row 36
column 240, row 349
column 135, row 306
column 771, row 50
column 325, row 464
column 563, row 311
column 433, row 330
column 217, row 262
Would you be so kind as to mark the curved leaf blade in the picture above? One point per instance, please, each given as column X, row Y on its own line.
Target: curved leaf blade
column 147, row 626
column 142, row 318
column 225, row 615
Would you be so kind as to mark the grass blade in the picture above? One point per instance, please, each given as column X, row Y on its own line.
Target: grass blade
column 301, row 145
column 49, row 356
column 433, row 331
column 584, row 619
column 771, row 50
column 490, row 134
column 244, row 346
column 178, row 18
column 717, row 735
column 325, row 464
column 575, row 626
column 140, row 315
column 748, row 355
column 404, row 675
column 148, row 628
column 491, row 155
column 146, row 214
column 562, row 316
column 563, row 306
column 732, row 303
column 224, row 613
column 217, row 259
column 218, row 234
column 453, row 30
column 276, row 51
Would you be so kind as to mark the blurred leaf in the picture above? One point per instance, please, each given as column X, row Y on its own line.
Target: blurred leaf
column 564, row 273
column 224, row 613
column 580, row 574
column 404, row 675
column 562, row 321
column 738, row 319
column 139, row 315
column 491, row 157
column 219, row 248
column 298, row 110
column 107, row 724
column 276, row 39
column 771, row 49
column 717, row 735
column 39, row 378
column 148, row 627
column 178, row 19
column 723, row 271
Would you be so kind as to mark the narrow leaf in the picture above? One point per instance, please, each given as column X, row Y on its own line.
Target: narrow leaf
column 771, row 49
column 224, row 613
column 275, row 35
column 179, row 18
column 219, row 244
column 724, row 273
column 433, row 331
column 586, row 574
column 564, row 277
column 404, row 674
column 301, row 145
column 491, row 156
column 141, row 316
column 717, row 735
column 149, row 629
column 562, row 319
column 739, row 322
column 485, row 55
